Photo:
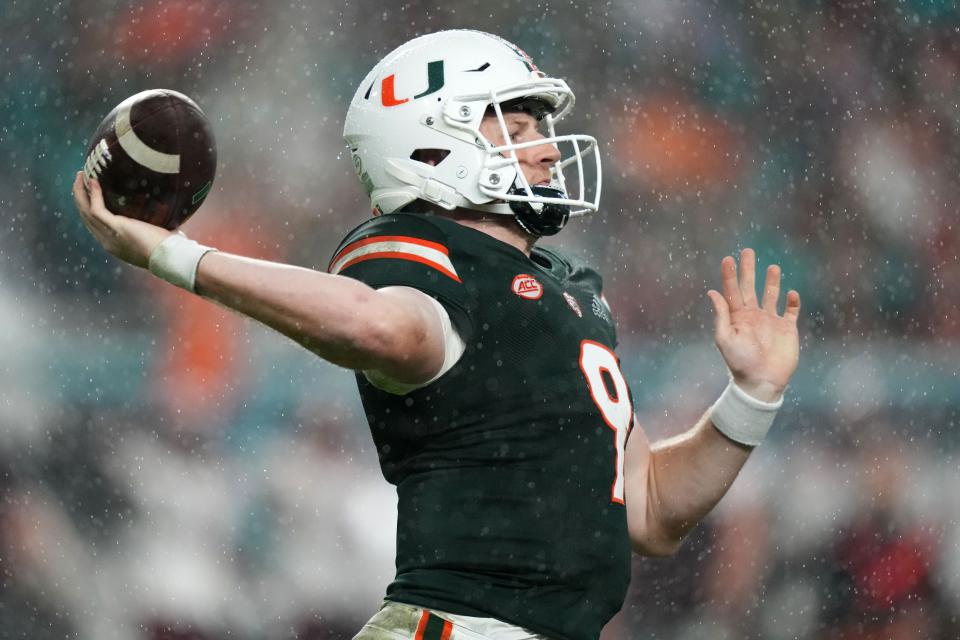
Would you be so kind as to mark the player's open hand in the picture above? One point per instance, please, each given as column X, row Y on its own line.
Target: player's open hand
column 760, row 347
column 128, row 239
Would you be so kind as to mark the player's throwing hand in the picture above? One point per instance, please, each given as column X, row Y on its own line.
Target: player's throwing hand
column 128, row 239
column 760, row 347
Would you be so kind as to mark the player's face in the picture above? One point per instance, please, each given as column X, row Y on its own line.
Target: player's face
column 523, row 127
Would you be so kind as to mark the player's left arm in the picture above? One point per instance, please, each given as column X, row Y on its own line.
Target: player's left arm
column 671, row 485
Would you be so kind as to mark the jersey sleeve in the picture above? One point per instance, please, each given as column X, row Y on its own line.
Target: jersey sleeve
column 407, row 250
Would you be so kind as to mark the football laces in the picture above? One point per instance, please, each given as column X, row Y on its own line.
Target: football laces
column 97, row 160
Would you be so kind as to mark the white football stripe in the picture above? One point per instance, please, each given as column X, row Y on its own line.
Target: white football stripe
column 138, row 150
column 433, row 255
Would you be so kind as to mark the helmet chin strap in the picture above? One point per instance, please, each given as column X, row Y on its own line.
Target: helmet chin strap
column 500, row 208
column 537, row 224
column 536, row 218
column 540, row 218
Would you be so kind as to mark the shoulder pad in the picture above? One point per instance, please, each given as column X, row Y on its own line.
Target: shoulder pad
column 398, row 236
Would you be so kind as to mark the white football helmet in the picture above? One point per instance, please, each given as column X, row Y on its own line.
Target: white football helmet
column 431, row 94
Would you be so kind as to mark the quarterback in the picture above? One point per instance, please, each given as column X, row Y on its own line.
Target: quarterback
column 487, row 363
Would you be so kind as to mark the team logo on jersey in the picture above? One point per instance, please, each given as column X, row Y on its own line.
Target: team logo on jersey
column 600, row 308
column 573, row 304
column 526, row 286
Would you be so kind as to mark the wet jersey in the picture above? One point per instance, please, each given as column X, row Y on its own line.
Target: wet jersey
column 509, row 467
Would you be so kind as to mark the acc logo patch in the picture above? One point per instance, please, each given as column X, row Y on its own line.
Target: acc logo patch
column 526, row 286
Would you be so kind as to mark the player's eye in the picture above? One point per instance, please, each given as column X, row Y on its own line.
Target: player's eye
column 518, row 132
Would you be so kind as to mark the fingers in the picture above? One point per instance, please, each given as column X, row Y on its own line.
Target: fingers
column 731, row 288
column 793, row 305
column 97, row 226
column 79, row 192
column 97, row 206
column 741, row 292
column 721, row 316
column 748, row 283
column 81, row 198
column 771, row 290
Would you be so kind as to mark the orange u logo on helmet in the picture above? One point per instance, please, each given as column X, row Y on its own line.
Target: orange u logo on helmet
column 435, row 82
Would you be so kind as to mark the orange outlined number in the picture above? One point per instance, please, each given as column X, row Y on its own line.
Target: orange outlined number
column 615, row 407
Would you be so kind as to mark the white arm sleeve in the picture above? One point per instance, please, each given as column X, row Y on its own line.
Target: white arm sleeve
column 453, row 348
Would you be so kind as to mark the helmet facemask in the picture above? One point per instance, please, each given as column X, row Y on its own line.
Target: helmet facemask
column 540, row 210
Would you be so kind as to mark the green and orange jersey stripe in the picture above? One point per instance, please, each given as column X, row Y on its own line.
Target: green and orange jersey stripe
column 433, row 627
column 432, row 254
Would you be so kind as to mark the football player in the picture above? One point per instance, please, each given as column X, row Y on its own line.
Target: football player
column 486, row 362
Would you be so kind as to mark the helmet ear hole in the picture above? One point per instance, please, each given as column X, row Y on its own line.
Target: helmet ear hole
column 432, row 157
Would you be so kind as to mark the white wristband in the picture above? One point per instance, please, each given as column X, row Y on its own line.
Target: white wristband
column 741, row 417
column 176, row 259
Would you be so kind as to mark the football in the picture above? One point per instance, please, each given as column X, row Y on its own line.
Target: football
column 155, row 157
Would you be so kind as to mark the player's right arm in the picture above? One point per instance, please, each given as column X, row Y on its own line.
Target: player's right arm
column 395, row 331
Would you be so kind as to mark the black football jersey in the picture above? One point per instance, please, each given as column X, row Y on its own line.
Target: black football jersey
column 509, row 467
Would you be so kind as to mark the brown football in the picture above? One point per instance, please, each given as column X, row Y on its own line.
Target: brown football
column 155, row 157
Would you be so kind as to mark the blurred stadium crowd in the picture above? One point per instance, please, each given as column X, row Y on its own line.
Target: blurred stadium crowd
column 171, row 471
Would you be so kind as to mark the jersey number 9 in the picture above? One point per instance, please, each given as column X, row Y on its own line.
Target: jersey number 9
column 615, row 407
